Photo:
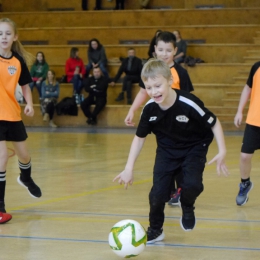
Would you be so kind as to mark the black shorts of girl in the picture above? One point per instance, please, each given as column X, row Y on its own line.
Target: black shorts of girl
column 251, row 140
column 12, row 131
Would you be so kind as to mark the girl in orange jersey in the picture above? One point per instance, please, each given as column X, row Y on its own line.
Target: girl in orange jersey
column 13, row 71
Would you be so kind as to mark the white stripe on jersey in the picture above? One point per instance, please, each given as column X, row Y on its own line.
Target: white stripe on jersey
column 148, row 102
column 192, row 104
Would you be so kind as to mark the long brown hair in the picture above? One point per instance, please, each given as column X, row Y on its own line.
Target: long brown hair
column 17, row 46
column 54, row 78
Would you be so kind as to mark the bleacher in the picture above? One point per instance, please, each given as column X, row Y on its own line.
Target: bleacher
column 226, row 35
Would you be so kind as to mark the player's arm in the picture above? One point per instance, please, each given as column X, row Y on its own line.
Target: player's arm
column 243, row 100
column 139, row 100
column 126, row 176
column 220, row 157
column 28, row 110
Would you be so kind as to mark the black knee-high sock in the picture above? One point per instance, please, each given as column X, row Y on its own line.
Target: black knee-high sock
column 25, row 170
column 2, row 185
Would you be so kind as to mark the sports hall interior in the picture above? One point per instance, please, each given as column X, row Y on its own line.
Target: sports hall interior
column 76, row 163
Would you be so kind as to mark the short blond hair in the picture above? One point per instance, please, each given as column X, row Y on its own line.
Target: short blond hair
column 154, row 67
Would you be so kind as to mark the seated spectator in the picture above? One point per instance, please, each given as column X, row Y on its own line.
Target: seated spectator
column 132, row 67
column 151, row 51
column 96, row 57
column 144, row 3
column 75, row 70
column 38, row 72
column 96, row 86
column 120, row 5
column 50, row 95
column 181, row 48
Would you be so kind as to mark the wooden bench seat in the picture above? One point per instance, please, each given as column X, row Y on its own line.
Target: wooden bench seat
column 113, row 35
column 135, row 18
column 210, row 53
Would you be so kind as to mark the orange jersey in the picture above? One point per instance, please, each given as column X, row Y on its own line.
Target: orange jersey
column 253, row 115
column 13, row 70
column 176, row 79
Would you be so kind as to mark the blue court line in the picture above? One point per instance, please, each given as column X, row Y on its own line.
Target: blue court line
column 132, row 216
column 156, row 244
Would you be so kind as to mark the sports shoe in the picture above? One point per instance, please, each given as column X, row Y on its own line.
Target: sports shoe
column 154, row 235
column 244, row 188
column 5, row 217
column 175, row 198
column 46, row 117
column 120, row 97
column 2, row 207
column 52, row 124
column 33, row 189
column 188, row 220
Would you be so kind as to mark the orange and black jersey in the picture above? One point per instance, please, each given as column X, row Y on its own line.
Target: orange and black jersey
column 13, row 70
column 253, row 115
column 181, row 79
column 186, row 123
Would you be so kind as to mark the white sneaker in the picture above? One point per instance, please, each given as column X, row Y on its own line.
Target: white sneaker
column 51, row 124
column 46, row 117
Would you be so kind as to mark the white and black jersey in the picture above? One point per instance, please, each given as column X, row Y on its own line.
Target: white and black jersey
column 186, row 123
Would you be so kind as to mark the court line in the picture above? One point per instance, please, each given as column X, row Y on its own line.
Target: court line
column 156, row 244
column 78, row 195
column 130, row 216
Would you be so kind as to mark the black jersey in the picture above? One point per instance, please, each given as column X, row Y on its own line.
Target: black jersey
column 186, row 123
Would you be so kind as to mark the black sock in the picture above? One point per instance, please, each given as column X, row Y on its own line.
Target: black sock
column 25, row 170
column 246, row 181
column 2, row 185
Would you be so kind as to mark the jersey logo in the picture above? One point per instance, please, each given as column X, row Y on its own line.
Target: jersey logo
column 183, row 119
column 12, row 70
column 152, row 118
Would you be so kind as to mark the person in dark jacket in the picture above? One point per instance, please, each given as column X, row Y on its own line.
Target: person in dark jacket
column 96, row 86
column 132, row 67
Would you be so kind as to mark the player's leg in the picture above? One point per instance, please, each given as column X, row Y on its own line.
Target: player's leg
column 176, row 189
column 159, row 194
column 192, row 172
column 251, row 142
column 18, row 136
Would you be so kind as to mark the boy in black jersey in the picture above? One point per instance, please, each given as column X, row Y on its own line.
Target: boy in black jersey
column 184, row 129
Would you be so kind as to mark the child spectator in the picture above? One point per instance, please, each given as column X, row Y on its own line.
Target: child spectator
column 96, row 86
column 13, row 70
column 181, row 48
column 132, row 67
column 38, row 72
column 50, row 95
column 75, row 70
column 251, row 140
column 184, row 129
column 96, row 57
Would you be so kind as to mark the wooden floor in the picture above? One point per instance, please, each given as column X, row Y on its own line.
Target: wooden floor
column 80, row 203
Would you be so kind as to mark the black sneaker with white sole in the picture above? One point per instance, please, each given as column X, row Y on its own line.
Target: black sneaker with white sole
column 188, row 220
column 154, row 235
column 32, row 188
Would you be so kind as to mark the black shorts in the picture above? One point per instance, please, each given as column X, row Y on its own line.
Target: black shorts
column 12, row 131
column 251, row 140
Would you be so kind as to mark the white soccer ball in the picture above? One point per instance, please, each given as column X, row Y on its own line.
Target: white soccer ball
column 127, row 238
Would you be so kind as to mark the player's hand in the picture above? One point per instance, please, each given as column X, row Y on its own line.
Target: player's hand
column 221, row 165
column 28, row 110
column 125, row 177
column 129, row 119
column 238, row 119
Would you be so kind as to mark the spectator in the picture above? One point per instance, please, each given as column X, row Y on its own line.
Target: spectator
column 50, row 94
column 144, row 3
column 38, row 72
column 151, row 51
column 75, row 70
column 96, row 57
column 120, row 5
column 132, row 67
column 181, row 48
column 97, row 87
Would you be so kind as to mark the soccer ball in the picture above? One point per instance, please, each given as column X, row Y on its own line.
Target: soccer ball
column 127, row 238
